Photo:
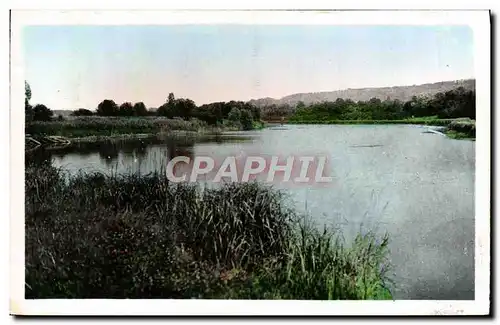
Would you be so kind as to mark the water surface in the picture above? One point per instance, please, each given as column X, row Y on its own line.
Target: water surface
column 416, row 186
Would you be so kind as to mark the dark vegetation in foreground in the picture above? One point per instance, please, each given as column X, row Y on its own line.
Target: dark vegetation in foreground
column 97, row 236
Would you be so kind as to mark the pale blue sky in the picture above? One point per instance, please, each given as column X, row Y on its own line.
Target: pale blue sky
column 78, row 66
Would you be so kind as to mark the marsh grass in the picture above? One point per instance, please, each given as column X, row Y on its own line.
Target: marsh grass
column 462, row 129
column 109, row 126
column 138, row 236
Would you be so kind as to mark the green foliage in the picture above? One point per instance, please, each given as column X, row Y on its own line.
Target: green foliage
column 82, row 112
column 462, row 129
column 416, row 121
column 107, row 126
column 42, row 113
column 451, row 104
column 107, row 108
column 97, row 236
column 277, row 112
column 234, row 115
column 140, row 109
column 186, row 109
column 246, row 120
column 126, row 109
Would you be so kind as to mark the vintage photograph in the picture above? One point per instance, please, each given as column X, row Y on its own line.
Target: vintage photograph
column 250, row 161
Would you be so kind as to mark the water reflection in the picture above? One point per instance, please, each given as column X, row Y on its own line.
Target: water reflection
column 408, row 187
column 140, row 155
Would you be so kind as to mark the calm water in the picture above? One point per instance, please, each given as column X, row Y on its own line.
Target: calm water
column 418, row 187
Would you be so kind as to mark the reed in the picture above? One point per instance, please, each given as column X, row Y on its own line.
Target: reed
column 138, row 236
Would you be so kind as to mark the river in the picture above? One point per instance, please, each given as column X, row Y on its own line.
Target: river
column 416, row 186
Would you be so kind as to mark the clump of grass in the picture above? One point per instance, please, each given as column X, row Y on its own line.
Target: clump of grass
column 97, row 236
column 462, row 129
column 318, row 265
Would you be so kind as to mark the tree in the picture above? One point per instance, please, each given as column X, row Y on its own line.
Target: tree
column 82, row 112
column 246, row 120
column 42, row 113
column 164, row 110
column 28, row 110
column 126, row 109
column 234, row 115
column 140, row 109
column 256, row 114
column 168, row 109
column 184, row 108
column 107, row 108
column 171, row 99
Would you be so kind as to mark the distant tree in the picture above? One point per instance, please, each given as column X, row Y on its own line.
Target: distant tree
column 165, row 110
column 213, row 112
column 204, row 113
column 184, row 108
column 234, row 115
column 171, row 99
column 107, row 108
column 60, row 118
column 168, row 109
column 28, row 110
column 246, row 120
column 82, row 112
column 126, row 109
column 42, row 113
column 256, row 112
column 140, row 109
column 300, row 105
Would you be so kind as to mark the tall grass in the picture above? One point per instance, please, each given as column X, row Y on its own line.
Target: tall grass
column 462, row 129
column 108, row 126
column 97, row 236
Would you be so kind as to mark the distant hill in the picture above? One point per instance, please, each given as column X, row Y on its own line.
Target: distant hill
column 403, row 93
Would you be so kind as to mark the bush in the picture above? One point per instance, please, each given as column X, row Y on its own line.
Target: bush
column 462, row 128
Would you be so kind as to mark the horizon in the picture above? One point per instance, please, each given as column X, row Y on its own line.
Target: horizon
column 72, row 67
column 279, row 98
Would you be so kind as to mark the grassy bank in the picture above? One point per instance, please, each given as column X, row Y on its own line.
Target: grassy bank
column 462, row 129
column 417, row 121
column 120, row 127
column 94, row 236
column 112, row 126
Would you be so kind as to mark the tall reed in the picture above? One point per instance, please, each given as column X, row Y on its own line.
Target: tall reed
column 138, row 236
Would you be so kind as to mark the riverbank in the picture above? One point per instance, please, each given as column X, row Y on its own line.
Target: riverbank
column 88, row 127
column 98, row 129
column 97, row 236
column 416, row 121
column 461, row 128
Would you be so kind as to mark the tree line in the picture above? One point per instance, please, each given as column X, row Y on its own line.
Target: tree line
column 235, row 112
column 454, row 103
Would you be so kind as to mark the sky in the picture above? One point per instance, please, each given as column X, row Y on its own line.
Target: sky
column 71, row 67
